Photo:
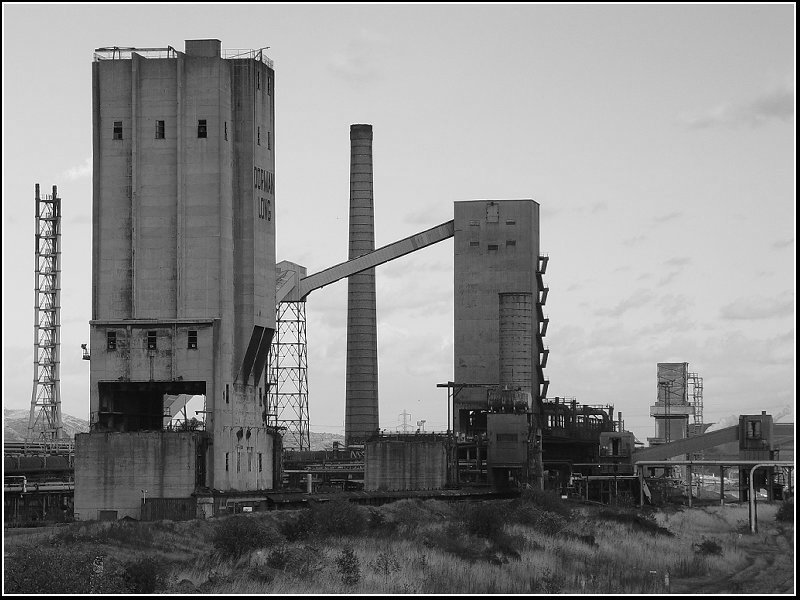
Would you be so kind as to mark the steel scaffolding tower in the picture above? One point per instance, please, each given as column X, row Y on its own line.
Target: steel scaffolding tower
column 696, row 385
column 288, row 376
column 45, row 418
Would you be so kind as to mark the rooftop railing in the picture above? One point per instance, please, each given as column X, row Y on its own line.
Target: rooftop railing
column 122, row 53
column 230, row 53
column 119, row 53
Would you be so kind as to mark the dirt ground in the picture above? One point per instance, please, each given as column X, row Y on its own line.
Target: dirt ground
column 769, row 570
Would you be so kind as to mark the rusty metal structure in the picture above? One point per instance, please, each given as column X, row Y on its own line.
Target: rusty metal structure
column 45, row 415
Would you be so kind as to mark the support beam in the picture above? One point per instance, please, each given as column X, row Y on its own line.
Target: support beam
column 375, row 258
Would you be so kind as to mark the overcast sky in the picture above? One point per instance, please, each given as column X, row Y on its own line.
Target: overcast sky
column 658, row 140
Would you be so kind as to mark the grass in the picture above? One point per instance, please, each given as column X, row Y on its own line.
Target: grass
column 536, row 544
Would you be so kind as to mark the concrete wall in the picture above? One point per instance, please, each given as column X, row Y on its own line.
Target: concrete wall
column 496, row 251
column 405, row 465
column 114, row 468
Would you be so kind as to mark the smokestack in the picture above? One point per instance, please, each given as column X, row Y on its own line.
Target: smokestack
column 361, row 392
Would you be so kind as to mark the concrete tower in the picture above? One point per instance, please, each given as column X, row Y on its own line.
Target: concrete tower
column 183, row 275
column 361, row 392
column 496, row 293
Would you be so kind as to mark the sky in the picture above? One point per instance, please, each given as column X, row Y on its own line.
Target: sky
column 659, row 141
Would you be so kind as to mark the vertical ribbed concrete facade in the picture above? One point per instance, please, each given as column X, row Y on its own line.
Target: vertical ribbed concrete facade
column 361, row 392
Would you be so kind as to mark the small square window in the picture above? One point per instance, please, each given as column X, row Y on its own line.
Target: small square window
column 159, row 130
column 111, row 340
column 192, row 340
column 151, row 340
column 117, row 130
column 202, row 128
column 510, row 222
column 511, row 243
column 474, row 244
column 474, row 223
column 492, row 247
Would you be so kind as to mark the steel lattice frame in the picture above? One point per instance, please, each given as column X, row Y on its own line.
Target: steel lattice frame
column 288, row 376
column 45, row 417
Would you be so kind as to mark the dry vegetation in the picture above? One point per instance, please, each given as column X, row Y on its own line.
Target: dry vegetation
column 536, row 544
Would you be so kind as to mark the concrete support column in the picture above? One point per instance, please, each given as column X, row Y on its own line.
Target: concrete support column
column 361, row 391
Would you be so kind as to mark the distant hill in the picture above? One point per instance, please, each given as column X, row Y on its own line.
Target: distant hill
column 15, row 428
column 15, row 424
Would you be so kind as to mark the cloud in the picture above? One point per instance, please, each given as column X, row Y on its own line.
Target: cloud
column 358, row 62
column 678, row 261
column 780, row 244
column 668, row 217
column 755, row 309
column 773, row 105
column 79, row 172
column 639, row 298
column 634, row 240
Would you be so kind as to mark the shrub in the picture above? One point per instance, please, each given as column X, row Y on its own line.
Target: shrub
column 145, row 575
column 547, row 500
column 785, row 513
column 708, row 547
column 347, row 566
column 298, row 526
column 484, row 519
column 385, row 564
column 237, row 535
column 294, row 560
column 41, row 570
column 339, row 517
column 639, row 522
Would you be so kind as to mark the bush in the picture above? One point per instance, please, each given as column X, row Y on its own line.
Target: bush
column 145, row 575
column 785, row 513
column 547, row 500
column 639, row 522
column 348, row 567
column 297, row 561
column 339, row 517
column 237, row 535
column 38, row 570
column 484, row 519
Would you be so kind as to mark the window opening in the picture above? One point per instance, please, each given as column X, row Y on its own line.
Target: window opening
column 192, row 340
column 492, row 246
column 111, row 340
column 159, row 130
column 151, row 340
column 202, row 128
column 117, row 130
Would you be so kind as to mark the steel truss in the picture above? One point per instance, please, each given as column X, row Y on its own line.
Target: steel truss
column 288, row 376
column 45, row 417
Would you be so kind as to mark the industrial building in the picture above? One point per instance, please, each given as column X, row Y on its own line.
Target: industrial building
column 188, row 300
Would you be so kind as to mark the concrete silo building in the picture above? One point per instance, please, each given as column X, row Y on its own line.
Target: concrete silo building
column 183, row 278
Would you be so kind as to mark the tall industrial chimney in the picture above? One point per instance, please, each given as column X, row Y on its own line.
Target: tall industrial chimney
column 361, row 392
